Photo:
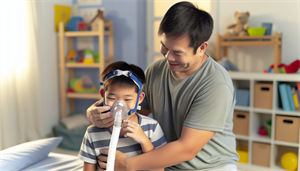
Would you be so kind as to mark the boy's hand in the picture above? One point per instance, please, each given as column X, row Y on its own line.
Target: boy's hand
column 134, row 131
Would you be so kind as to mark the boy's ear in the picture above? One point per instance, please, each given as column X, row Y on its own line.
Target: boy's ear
column 141, row 98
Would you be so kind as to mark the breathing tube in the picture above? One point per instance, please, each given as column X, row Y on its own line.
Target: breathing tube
column 120, row 111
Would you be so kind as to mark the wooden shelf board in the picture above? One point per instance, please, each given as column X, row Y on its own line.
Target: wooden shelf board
column 241, row 108
column 283, row 112
column 85, row 33
column 84, row 95
column 242, row 137
column 247, row 43
column 261, row 110
column 82, row 65
column 284, row 143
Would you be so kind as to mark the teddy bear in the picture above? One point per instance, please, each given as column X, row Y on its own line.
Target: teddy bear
column 240, row 28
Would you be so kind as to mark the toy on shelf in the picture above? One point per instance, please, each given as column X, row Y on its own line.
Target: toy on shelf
column 88, row 57
column 289, row 161
column 240, row 28
column 71, row 57
column 283, row 68
column 262, row 131
column 72, row 24
column 227, row 64
column 95, row 21
column 82, row 85
column 81, row 26
column 79, row 57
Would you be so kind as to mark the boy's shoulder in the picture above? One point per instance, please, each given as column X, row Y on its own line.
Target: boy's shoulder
column 143, row 120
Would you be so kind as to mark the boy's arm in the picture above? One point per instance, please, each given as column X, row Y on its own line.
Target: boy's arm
column 89, row 167
column 137, row 133
column 185, row 148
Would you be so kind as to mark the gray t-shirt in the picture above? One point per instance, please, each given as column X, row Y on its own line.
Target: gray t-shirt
column 204, row 100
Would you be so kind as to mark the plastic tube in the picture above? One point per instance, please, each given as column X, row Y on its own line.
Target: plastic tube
column 114, row 141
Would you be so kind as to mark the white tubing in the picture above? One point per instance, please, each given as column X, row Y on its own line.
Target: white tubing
column 114, row 141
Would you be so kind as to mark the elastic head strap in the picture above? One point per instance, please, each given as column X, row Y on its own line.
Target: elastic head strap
column 127, row 74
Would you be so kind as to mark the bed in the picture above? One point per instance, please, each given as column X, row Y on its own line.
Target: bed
column 38, row 156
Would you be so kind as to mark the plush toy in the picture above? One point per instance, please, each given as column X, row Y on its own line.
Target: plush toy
column 227, row 64
column 283, row 68
column 82, row 85
column 240, row 28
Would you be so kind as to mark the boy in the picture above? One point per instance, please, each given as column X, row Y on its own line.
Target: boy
column 139, row 134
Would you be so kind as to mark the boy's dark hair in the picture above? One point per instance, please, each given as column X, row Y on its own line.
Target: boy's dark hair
column 184, row 18
column 122, row 80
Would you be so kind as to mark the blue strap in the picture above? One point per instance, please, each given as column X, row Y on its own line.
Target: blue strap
column 127, row 74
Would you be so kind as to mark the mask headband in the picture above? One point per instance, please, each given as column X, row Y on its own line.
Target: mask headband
column 134, row 79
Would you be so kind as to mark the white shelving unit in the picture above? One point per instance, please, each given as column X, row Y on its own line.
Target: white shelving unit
column 256, row 115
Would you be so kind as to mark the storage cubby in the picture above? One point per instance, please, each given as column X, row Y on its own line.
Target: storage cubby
column 279, row 151
column 243, row 150
column 242, row 89
column 260, row 125
column 264, row 152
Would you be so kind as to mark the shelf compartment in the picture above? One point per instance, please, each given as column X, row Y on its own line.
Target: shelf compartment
column 243, row 150
column 84, row 95
column 280, row 150
column 259, row 121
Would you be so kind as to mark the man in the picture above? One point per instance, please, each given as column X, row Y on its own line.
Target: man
column 190, row 95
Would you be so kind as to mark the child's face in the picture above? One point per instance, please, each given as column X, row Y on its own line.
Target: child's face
column 128, row 95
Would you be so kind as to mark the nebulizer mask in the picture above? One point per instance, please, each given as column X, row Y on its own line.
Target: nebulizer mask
column 120, row 111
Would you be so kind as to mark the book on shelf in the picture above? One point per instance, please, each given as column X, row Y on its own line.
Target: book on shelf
column 284, row 97
column 295, row 98
column 291, row 101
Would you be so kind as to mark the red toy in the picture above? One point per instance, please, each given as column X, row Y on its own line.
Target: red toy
column 81, row 26
column 262, row 131
column 292, row 68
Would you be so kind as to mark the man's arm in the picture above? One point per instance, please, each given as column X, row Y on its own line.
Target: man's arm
column 185, row 148
column 89, row 167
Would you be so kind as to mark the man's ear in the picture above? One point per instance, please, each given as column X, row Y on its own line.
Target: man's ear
column 202, row 48
column 141, row 98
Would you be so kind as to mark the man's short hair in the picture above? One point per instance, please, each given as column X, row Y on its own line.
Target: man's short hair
column 122, row 80
column 184, row 18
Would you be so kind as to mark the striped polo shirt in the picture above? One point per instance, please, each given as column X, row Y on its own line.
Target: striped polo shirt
column 96, row 139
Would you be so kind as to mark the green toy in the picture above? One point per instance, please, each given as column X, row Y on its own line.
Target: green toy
column 83, row 85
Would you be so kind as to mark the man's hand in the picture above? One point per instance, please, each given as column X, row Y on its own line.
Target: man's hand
column 134, row 131
column 95, row 114
column 120, row 161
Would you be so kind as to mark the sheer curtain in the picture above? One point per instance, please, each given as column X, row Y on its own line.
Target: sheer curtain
column 20, row 84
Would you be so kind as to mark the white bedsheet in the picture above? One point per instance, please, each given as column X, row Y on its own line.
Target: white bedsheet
column 57, row 162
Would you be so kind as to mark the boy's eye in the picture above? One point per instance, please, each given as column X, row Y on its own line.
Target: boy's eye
column 110, row 98
column 128, row 100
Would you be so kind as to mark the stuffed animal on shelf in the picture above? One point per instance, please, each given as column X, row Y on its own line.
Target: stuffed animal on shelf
column 240, row 28
column 283, row 68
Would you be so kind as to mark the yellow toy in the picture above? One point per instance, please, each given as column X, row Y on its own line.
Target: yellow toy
column 289, row 161
column 88, row 57
column 71, row 57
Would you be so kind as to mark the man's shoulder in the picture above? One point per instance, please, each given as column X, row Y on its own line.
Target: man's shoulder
column 157, row 65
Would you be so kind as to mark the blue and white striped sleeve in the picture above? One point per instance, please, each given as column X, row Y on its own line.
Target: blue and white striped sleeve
column 158, row 137
column 87, row 152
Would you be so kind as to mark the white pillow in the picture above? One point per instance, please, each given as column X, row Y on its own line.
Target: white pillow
column 21, row 156
column 76, row 122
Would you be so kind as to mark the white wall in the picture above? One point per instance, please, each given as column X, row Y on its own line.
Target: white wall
column 285, row 16
column 50, row 64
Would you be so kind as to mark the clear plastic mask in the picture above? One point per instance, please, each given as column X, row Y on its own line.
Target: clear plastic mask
column 120, row 106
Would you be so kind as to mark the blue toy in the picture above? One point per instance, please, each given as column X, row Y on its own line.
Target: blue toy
column 73, row 23
column 227, row 64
